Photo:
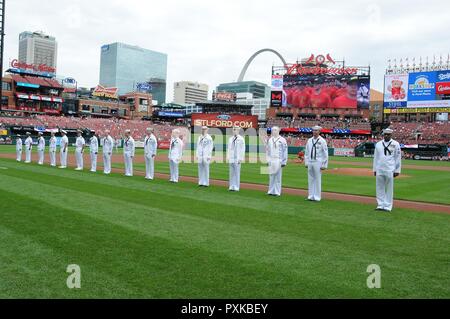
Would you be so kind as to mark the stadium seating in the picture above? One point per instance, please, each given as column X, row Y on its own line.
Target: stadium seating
column 99, row 125
column 421, row 132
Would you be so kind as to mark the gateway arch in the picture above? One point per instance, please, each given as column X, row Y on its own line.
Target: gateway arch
column 249, row 61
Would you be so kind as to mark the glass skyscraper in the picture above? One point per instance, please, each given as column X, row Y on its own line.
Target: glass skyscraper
column 258, row 89
column 124, row 66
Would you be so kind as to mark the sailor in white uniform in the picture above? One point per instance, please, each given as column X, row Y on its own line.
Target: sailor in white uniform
column 386, row 166
column 107, row 147
column 277, row 155
column 52, row 149
column 80, row 143
column 28, row 147
column 19, row 148
column 175, row 155
column 41, row 149
column 150, row 147
column 235, row 156
column 128, row 153
column 316, row 160
column 93, row 151
column 63, row 149
column 205, row 146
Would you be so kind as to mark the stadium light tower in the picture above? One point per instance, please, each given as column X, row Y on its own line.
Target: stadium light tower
column 2, row 38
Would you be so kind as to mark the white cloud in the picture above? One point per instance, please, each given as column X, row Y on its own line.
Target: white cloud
column 209, row 41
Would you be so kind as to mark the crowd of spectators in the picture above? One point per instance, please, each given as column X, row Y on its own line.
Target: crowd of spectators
column 404, row 132
column 99, row 125
column 345, row 141
column 325, row 122
column 421, row 132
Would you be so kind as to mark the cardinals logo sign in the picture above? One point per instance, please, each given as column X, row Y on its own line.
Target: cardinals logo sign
column 320, row 64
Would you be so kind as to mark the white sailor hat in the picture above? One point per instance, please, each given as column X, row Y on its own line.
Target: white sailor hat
column 18, row 135
column 64, row 131
column 79, row 131
column 40, row 133
column 204, row 127
column 387, row 131
column 127, row 131
column 28, row 133
column 317, row 128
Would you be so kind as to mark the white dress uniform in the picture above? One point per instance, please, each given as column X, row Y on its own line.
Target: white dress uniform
column 128, row 154
column 52, row 150
column 175, row 155
column 236, row 155
column 205, row 147
column 28, row 147
column 93, row 151
column 150, row 147
column 63, row 148
column 41, row 150
column 19, row 149
column 316, row 157
column 277, row 154
column 386, row 162
column 79, row 143
column 107, row 146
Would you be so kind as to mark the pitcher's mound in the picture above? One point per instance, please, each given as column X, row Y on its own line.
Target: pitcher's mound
column 353, row 171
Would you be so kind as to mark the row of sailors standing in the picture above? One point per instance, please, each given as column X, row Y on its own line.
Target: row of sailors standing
column 80, row 144
column 386, row 164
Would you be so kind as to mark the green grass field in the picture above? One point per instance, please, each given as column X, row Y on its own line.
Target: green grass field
column 138, row 239
column 421, row 184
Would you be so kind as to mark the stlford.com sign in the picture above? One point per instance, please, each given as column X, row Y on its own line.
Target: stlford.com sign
column 225, row 120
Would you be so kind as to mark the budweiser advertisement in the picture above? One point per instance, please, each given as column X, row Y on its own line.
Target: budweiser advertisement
column 224, row 120
column 224, row 96
column 102, row 91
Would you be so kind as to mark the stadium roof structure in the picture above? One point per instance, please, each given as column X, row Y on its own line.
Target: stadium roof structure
column 225, row 107
column 172, row 106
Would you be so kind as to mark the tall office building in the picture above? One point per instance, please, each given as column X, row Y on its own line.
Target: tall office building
column 186, row 92
column 38, row 48
column 125, row 66
column 157, row 88
column 258, row 89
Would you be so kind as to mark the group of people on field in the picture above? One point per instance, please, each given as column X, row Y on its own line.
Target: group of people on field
column 386, row 163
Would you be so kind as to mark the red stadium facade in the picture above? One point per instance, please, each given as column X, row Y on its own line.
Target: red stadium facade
column 31, row 88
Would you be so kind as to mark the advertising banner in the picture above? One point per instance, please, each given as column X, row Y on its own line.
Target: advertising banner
column 395, row 90
column 276, row 98
column 344, row 152
column 164, row 145
column 419, row 110
column 443, row 76
column 224, row 120
column 170, row 114
column 442, row 88
column 421, row 86
column 277, row 82
column 102, row 91
column 224, row 96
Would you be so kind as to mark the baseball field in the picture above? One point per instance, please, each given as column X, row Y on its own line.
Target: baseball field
column 134, row 238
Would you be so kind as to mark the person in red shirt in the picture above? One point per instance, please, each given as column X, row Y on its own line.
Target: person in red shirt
column 301, row 156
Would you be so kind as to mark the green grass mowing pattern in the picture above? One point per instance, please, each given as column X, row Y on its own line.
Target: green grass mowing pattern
column 421, row 185
column 135, row 238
